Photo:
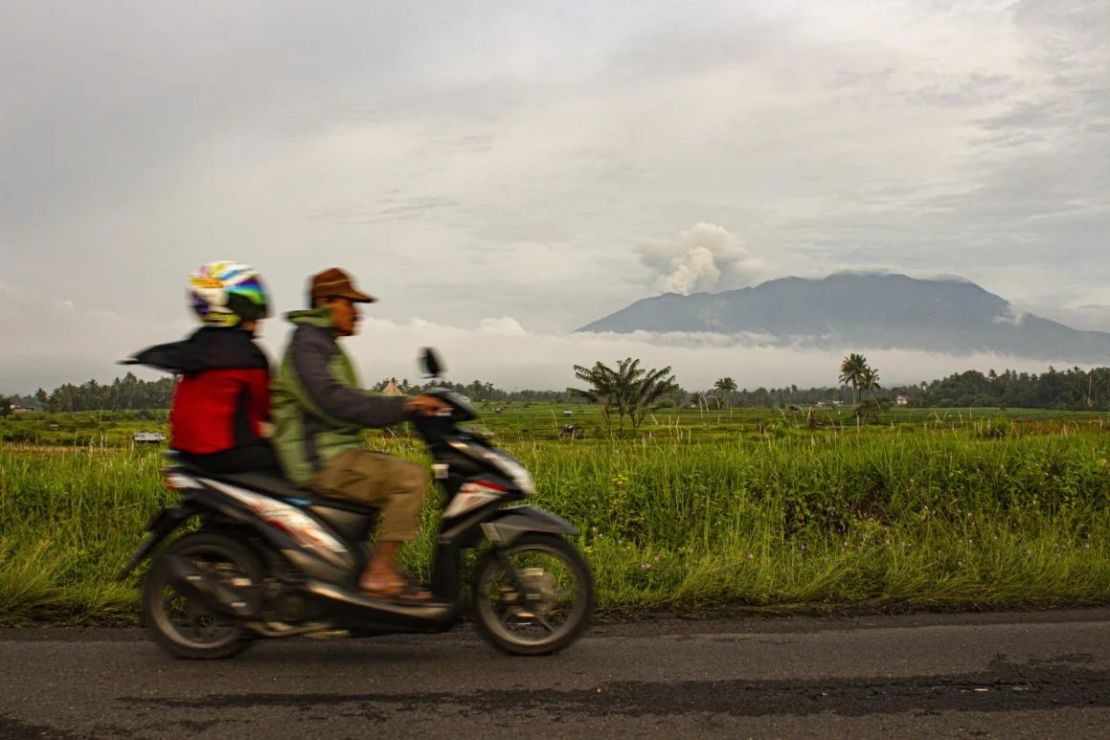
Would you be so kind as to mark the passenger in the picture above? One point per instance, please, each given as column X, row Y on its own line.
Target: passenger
column 221, row 402
column 319, row 414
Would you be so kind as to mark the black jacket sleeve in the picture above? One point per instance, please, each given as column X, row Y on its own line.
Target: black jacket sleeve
column 207, row 348
column 172, row 357
column 311, row 351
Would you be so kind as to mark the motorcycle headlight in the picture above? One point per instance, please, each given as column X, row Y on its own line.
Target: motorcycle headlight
column 520, row 477
column 507, row 466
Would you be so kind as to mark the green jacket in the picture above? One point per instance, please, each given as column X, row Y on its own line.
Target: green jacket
column 318, row 408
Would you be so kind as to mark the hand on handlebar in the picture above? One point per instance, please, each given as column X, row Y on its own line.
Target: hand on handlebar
column 427, row 406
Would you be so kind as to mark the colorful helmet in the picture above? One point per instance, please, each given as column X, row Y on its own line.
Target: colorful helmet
column 225, row 293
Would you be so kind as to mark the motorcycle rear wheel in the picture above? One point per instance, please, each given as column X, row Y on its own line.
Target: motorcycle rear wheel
column 179, row 625
column 556, row 604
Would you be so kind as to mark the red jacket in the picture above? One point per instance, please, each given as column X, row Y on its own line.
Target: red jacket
column 217, row 410
column 223, row 390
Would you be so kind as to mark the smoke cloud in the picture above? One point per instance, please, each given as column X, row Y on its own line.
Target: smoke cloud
column 705, row 257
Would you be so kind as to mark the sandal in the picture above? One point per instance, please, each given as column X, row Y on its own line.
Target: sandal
column 405, row 592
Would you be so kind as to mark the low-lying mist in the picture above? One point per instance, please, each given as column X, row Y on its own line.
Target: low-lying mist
column 64, row 343
column 503, row 352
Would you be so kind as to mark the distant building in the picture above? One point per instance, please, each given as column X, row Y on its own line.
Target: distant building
column 902, row 401
column 17, row 409
column 391, row 389
column 148, row 438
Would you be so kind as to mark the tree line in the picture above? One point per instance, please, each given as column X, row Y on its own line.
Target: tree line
column 1072, row 389
column 128, row 392
column 476, row 390
column 132, row 393
column 1067, row 390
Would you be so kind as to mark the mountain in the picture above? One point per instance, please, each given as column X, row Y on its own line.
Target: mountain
column 865, row 311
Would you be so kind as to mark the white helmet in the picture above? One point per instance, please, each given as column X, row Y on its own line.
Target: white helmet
column 225, row 293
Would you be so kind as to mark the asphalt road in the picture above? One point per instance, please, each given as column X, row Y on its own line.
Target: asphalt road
column 996, row 675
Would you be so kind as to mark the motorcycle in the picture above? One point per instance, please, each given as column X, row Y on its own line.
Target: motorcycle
column 271, row 560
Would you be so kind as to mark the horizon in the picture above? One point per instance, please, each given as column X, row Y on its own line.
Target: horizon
column 886, row 387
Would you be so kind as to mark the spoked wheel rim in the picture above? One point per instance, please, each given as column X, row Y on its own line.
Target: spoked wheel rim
column 187, row 622
column 554, row 601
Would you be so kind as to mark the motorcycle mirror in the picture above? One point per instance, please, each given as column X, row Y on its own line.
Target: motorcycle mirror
column 432, row 366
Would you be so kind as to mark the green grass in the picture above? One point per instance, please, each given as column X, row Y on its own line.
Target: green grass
column 81, row 428
column 520, row 422
column 704, row 512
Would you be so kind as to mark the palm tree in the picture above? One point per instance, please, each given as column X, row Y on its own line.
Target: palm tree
column 870, row 380
column 602, row 381
column 724, row 387
column 628, row 389
column 697, row 398
column 646, row 393
column 853, row 371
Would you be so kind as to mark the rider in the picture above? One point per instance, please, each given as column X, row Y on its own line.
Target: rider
column 221, row 401
column 319, row 414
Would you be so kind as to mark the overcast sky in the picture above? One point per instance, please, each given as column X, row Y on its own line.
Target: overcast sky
column 502, row 173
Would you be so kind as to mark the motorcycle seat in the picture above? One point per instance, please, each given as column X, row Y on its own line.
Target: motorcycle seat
column 269, row 484
column 280, row 488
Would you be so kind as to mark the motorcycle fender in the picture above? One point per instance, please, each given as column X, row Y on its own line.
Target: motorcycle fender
column 160, row 526
column 506, row 526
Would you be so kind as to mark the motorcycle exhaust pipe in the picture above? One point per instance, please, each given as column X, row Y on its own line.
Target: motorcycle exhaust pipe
column 207, row 591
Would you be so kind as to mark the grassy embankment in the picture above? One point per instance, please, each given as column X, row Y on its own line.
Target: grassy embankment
column 704, row 513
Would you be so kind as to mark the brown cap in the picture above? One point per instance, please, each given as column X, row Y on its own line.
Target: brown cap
column 335, row 282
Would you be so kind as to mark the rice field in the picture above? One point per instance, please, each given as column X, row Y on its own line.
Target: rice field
column 702, row 512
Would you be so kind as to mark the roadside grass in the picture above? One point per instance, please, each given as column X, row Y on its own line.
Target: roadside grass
column 687, row 519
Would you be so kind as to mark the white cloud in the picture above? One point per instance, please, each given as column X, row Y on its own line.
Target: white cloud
column 1087, row 317
column 544, row 361
column 48, row 340
column 1010, row 317
column 86, row 344
column 705, row 257
column 505, row 326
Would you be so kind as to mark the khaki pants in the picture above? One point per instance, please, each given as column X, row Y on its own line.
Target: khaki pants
column 394, row 485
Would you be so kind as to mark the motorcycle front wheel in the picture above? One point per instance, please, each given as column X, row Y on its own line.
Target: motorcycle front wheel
column 533, row 597
column 180, row 625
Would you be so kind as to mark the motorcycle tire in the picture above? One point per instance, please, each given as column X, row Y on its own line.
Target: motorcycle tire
column 493, row 629
column 206, row 635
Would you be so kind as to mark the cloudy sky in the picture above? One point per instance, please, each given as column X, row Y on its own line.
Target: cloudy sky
column 502, row 173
